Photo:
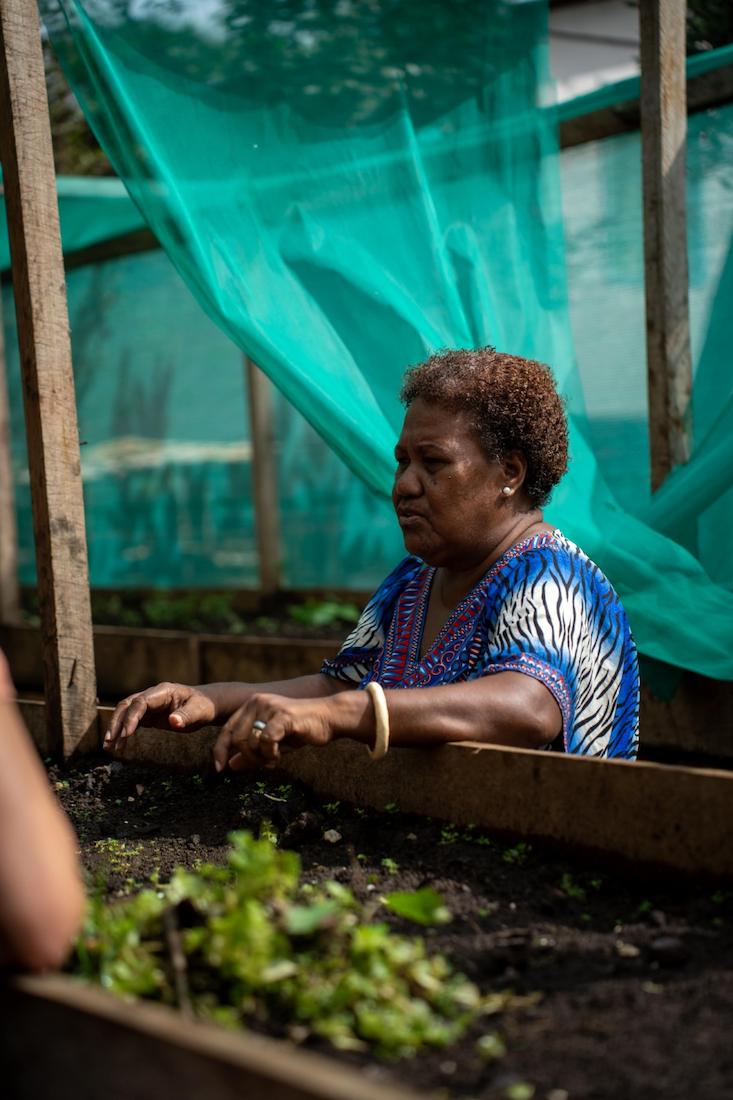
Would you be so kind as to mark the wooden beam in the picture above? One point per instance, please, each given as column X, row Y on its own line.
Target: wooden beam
column 74, row 1042
column 664, row 134
column 9, row 585
column 48, row 385
column 264, row 478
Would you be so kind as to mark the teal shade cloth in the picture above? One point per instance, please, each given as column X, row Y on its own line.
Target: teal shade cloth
column 346, row 188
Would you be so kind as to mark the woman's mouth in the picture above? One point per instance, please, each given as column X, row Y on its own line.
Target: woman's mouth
column 409, row 519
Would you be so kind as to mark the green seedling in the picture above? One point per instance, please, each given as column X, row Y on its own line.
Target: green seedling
column 315, row 612
column 449, row 834
column 391, row 866
column 423, row 906
column 571, row 888
column 518, row 854
column 490, row 1047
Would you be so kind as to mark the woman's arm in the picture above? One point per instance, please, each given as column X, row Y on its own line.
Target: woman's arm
column 508, row 708
column 183, row 707
column 41, row 895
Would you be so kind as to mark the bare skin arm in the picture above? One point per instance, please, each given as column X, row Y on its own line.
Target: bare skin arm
column 183, row 707
column 508, row 708
column 41, row 895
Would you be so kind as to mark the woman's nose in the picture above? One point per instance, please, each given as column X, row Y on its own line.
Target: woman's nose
column 407, row 483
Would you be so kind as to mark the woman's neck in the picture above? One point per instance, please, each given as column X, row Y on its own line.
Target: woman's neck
column 453, row 583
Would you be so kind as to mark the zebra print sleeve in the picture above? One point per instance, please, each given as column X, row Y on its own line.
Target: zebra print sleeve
column 555, row 617
column 364, row 645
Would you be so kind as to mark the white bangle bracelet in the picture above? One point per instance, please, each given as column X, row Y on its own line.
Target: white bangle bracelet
column 381, row 716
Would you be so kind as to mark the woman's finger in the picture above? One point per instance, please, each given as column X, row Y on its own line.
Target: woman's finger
column 116, row 720
column 225, row 746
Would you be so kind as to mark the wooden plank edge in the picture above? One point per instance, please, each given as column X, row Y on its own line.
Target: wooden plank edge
column 662, row 816
column 260, row 1066
column 713, row 89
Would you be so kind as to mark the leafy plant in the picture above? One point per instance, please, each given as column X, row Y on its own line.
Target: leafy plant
column 517, row 854
column 571, row 888
column 423, row 906
column 314, row 612
column 490, row 1046
column 449, row 834
column 390, row 865
column 247, row 940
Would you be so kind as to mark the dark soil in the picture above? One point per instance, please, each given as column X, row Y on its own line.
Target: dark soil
column 623, row 987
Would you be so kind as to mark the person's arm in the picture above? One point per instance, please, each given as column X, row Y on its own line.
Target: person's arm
column 41, row 894
column 508, row 708
column 183, row 707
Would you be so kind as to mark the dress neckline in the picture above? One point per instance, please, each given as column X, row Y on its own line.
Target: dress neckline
column 427, row 577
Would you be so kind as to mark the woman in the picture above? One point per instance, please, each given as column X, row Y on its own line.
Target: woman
column 495, row 628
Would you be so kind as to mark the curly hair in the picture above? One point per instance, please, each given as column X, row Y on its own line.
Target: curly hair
column 513, row 403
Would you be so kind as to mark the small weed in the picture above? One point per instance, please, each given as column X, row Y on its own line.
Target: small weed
column 362, row 858
column 391, row 808
column 571, row 888
column 645, row 907
column 520, row 1090
column 518, row 854
column 391, row 866
column 315, row 612
column 119, row 854
column 490, row 1047
column 449, row 834
column 268, row 831
column 332, row 807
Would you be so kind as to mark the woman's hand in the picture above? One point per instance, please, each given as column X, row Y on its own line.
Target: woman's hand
column 165, row 706
column 282, row 724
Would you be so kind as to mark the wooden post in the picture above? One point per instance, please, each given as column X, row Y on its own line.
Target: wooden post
column 664, row 133
column 264, row 478
column 48, row 384
column 9, row 594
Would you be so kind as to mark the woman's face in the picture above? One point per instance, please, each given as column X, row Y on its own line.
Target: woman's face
column 447, row 493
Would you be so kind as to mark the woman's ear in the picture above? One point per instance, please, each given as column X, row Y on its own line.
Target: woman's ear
column 514, row 470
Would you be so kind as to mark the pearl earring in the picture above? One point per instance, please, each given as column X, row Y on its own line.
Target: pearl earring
column 507, row 491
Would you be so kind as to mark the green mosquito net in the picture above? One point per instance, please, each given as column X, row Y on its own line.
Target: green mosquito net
column 346, row 187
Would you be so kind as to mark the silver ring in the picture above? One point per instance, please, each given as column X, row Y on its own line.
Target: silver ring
column 258, row 724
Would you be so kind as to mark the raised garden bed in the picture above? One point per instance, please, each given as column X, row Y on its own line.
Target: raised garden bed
column 620, row 985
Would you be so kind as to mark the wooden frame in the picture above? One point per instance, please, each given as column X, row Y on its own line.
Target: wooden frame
column 9, row 586
column 663, row 138
column 48, row 385
column 264, row 477
column 72, row 1042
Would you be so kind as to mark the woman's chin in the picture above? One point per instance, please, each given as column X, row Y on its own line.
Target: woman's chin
column 418, row 547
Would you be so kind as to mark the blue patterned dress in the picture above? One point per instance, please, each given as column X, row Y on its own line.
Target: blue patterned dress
column 544, row 609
